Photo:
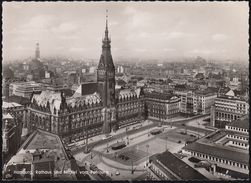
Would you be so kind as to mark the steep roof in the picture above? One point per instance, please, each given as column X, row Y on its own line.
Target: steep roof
column 128, row 93
column 7, row 116
column 7, row 105
column 86, row 89
column 54, row 99
column 83, row 100
column 230, row 93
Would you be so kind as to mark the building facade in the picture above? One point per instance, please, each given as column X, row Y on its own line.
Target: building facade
column 196, row 102
column 161, row 106
column 12, row 123
column 24, row 89
column 228, row 108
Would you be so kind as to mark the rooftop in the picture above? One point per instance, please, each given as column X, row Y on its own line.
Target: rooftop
column 205, row 92
column 219, row 151
column 87, row 89
column 7, row 116
column 160, row 95
column 17, row 99
column 179, row 167
column 7, row 105
column 240, row 123
column 49, row 146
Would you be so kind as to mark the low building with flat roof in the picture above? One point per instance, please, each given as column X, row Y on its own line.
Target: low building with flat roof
column 228, row 148
column 24, row 89
column 167, row 166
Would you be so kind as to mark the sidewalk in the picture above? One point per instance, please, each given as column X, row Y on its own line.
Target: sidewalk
column 119, row 131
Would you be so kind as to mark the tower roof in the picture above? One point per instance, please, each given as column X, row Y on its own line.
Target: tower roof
column 106, row 61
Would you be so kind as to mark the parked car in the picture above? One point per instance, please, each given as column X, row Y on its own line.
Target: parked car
column 117, row 172
column 107, row 137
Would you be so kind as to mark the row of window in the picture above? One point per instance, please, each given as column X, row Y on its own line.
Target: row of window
column 227, row 116
column 237, row 137
column 237, row 129
column 85, row 123
column 239, row 144
column 228, row 162
column 157, row 172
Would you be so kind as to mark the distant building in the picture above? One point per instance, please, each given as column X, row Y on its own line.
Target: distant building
column 8, row 76
column 24, row 89
column 120, row 69
column 92, row 69
column 196, row 102
column 228, row 108
column 36, row 66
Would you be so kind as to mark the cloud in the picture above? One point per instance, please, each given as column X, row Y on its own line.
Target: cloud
column 169, row 49
column 22, row 48
column 140, row 50
column 76, row 49
column 176, row 35
column 219, row 37
column 65, row 27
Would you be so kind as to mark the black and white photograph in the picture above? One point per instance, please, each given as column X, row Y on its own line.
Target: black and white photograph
column 125, row 91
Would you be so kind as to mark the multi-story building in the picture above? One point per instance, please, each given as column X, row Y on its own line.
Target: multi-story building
column 228, row 108
column 203, row 100
column 24, row 89
column 196, row 102
column 12, row 123
column 227, row 148
column 161, row 105
column 130, row 107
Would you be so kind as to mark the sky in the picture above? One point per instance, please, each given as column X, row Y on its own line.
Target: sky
column 142, row 30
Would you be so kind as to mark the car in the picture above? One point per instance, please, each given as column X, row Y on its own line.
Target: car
column 93, row 167
column 117, row 172
column 107, row 137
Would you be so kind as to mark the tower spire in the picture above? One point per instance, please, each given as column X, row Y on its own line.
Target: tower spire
column 106, row 25
column 37, row 53
column 106, row 22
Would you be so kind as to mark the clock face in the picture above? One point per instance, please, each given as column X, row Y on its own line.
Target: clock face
column 101, row 72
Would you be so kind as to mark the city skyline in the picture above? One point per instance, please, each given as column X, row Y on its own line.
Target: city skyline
column 156, row 30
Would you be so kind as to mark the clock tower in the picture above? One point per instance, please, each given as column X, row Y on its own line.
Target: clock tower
column 106, row 72
column 106, row 83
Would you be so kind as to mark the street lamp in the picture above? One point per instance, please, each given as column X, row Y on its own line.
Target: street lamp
column 166, row 142
column 132, row 167
column 148, row 129
column 147, row 147
column 107, row 148
column 198, row 129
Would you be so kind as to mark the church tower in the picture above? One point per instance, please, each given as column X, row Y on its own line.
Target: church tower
column 106, row 71
column 37, row 52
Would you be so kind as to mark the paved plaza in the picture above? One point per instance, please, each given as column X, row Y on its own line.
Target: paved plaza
column 140, row 146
